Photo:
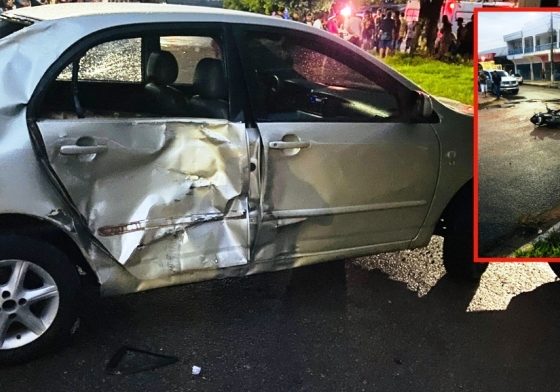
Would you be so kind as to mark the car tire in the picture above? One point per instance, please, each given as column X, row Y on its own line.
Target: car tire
column 514, row 92
column 458, row 240
column 556, row 268
column 38, row 311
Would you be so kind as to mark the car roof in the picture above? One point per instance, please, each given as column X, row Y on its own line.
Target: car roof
column 77, row 10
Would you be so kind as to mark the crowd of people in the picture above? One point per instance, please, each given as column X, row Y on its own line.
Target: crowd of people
column 449, row 43
column 387, row 31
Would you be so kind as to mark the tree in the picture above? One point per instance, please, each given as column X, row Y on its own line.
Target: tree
column 266, row 6
column 261, row 6
column 428, row 21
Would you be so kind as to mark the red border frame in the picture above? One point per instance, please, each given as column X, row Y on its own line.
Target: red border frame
column 478, row 259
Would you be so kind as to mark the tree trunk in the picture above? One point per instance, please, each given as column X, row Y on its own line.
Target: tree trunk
column 429, row 16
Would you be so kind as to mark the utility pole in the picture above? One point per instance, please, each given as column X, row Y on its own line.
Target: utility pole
column 551, row 50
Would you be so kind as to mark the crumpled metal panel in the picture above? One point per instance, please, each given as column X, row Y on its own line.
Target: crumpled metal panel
column 166, row 196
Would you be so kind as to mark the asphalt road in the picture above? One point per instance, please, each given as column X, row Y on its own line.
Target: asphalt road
column 519, row 170
column 386, row 323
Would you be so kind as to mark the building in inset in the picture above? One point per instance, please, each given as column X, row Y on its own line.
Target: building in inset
column 529, row 48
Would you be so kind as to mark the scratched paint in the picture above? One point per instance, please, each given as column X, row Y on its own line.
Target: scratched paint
column 162, row 189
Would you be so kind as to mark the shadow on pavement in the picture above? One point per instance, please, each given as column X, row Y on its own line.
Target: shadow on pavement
column 543, row 132
column 330, row 327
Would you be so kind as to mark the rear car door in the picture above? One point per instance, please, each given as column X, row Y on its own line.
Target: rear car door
column 159, row 179
column 345, row 169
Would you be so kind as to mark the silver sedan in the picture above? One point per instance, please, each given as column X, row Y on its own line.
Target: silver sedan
column 147, row 145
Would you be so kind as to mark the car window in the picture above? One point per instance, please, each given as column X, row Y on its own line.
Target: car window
column 189, row 51
column 295, row 80
column 150, row 75
column 115, row 61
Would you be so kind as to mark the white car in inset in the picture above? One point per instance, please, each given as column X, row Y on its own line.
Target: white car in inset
column 508, row 83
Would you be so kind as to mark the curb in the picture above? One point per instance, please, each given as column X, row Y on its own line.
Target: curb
column 486, row 103
column 529, row 246
column 544, row 85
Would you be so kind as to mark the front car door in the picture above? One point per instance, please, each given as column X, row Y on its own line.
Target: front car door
column 164, row 192
column 345, row 169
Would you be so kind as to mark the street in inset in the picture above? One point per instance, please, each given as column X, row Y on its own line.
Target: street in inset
column 518, row 135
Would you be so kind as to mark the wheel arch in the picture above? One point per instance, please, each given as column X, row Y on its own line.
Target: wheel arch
column 464, row 194
column 50, row 231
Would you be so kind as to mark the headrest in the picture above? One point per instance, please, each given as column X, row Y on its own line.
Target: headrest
column 209, row 80
column 162, row 68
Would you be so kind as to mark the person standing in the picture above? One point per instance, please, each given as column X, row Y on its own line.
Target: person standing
column 497, row 82
column 402, row 31
column 309, row 19
column 376, row 23
column 446, row 25
column 386, row 33
column 332, row 24
column 467, row 40
column 410, row 36
column 445, row 39
column 460, row 31
column 368, row 26
column 397, row 20
column 352, row 29
column 482, row 82
column 318, row 23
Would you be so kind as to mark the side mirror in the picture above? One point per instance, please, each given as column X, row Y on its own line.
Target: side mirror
column 423, row 106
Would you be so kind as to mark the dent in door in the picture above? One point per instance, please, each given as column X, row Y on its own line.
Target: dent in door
column 165, row 197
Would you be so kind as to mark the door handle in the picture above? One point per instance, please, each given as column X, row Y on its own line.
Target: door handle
column 82, row 150
column 280, row 145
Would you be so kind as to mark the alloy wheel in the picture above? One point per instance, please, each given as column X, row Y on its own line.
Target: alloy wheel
column 29, row 302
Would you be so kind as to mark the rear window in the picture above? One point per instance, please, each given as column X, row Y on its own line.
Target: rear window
column 9, row 26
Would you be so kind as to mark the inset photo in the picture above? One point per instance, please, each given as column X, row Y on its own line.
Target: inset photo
column 518, row 135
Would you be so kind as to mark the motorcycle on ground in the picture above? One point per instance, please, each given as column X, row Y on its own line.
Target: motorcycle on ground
column 550, row 118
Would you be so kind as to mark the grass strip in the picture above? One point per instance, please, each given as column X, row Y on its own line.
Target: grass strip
column 546, row 247
column 449, row 80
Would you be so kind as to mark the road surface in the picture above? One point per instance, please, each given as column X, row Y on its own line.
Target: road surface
column 388, row 323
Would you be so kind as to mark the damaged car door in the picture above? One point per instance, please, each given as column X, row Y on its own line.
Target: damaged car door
column 147, row 154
